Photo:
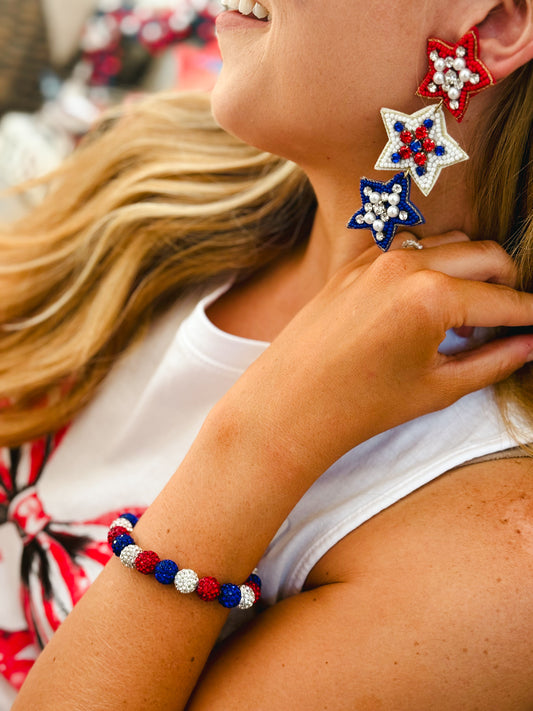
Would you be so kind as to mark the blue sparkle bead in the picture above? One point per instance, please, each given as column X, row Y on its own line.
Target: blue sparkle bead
column 440, row 151
column 398, row 126
column 120, row 542
column 416, row 146
column 230, row 595
column 420, row 171
column 130, row 517
column 165, row 571
column 428, row 123
column 253, row 578
column 396, row 157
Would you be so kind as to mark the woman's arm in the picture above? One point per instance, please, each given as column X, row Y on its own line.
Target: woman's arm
column 360, row 358
column 427, row 606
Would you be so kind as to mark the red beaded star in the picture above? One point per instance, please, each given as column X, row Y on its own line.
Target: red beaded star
column 455, row 73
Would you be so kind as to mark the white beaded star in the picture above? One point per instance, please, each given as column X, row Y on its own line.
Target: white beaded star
column 420, row 145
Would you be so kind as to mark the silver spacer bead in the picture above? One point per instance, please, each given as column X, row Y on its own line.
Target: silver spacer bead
column 247, row 597
column 128, row 555
column 186, row 580
column 122, row 522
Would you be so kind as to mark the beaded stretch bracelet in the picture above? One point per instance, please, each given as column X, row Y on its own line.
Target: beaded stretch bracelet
column 167, row 572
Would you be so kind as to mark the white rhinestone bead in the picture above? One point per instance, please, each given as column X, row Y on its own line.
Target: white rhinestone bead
column 460, row 52
column 360, row 220
column 367, row 191
column 454, row 105
column 449, row 62
column 247, row 597
column 379, row 236
column 368, row 207
column 397, row 188
column 122, row 522
column 432, row 87
column 186, row 580
column 403, row 215
column 474, row 79
column 128, row 555
column 434, row 56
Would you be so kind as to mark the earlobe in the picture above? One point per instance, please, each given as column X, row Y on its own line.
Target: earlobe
column 506, row 37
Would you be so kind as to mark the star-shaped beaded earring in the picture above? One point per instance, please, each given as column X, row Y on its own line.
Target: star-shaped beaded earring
column 419, row 144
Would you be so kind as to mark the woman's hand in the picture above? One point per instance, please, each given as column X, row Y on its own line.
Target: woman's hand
column 363, row 355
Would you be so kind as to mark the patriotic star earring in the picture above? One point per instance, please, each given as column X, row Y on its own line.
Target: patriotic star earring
column 419, row 145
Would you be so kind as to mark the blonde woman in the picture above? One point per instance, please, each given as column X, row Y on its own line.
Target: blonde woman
column 388, row 510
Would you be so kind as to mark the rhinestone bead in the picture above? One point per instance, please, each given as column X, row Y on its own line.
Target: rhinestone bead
column 114, row 532
column 360, row 220
column 123, row 522
column 367, row 191
column 432, row 87
column 130, row 517
column 186, row 580
column 247, row 597
column 165, row 571
column 208, row 589
column 120, row 542
column 403, row 215
column 460, row 52
column 146, row 562
column 230, row 595
column 397, row 188
column 129, row 554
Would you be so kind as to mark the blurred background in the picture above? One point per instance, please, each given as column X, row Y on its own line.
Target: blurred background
column 63, row 62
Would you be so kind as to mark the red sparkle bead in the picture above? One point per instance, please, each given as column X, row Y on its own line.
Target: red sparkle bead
column 428, row 145
column 421, row 133
column 114, row 532
column 420, row 159
column 208, row 589
column 405, row 152
column 406, row 137
column 257, row 590
column 146, row 561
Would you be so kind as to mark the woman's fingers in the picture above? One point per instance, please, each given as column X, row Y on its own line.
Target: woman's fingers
column 488, row 364
column 453, row 254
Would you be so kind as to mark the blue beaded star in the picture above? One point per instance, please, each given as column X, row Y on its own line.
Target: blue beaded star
column 386, row 208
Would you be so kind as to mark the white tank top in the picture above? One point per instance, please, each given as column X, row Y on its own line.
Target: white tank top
column 126, row 444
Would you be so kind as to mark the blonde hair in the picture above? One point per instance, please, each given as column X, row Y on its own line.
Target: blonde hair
column 158, row 200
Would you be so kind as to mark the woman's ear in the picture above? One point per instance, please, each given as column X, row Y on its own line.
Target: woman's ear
column 506, row 37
